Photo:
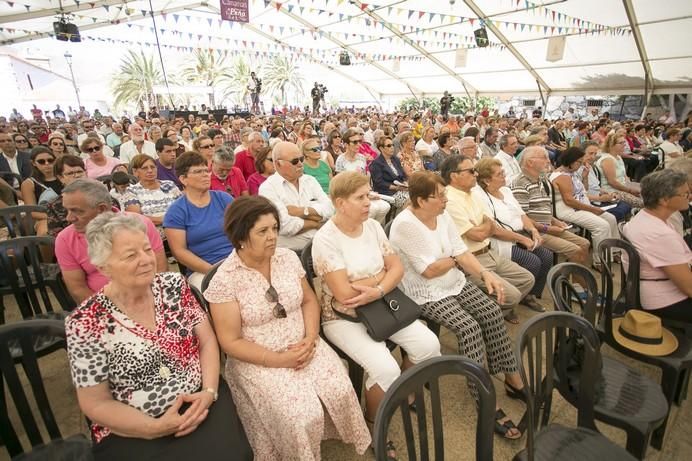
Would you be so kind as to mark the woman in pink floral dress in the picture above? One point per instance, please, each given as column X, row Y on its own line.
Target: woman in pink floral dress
column 291, row 389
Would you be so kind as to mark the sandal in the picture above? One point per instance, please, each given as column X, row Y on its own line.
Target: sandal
column 514, row 393
column 511, row 317
column 532, row 303
column 504, row 428
column 390, row 451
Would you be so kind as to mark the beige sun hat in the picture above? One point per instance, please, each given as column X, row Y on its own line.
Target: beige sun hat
column 642, row 332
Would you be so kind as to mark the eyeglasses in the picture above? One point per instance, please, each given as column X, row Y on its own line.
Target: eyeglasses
column 22, row 141
column 273, row 297
column 45, row 161
column 315, row 149
column 198, row 171
column 206, row 146
column 296, row 160
column 91, row 150
column 356, row 141
column 73, row 174
column 470, row 170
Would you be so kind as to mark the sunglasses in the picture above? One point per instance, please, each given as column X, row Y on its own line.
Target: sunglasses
column 470, row 170
column 22, row 141
column 206, row 146
column 91, row 150
column 273, row 297
column 388, row 145
column 315, row 149
column 356, row 141
column 296, row 160
column 45, row 161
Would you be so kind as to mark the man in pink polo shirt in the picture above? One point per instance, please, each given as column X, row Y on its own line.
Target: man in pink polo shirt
column 224, row 176
column 84, row 199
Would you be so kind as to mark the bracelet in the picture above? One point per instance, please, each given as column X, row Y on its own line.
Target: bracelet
column 212, row 392
column 264, row 358
column 379, row 287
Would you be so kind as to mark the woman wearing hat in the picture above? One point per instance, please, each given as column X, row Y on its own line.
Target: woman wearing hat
column 665, row 279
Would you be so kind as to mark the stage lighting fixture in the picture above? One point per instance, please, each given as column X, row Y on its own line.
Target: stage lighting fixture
column 481, row 36
column 344, row 58
column 65, row 30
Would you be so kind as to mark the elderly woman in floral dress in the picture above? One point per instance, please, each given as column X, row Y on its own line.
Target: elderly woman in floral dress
column 291, row 389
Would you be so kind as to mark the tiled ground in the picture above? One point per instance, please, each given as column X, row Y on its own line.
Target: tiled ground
column 458, row 413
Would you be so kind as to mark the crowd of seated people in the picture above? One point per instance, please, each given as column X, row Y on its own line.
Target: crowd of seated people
column 477, row 208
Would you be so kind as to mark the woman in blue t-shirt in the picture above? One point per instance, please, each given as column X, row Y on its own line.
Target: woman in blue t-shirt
column 194, row 222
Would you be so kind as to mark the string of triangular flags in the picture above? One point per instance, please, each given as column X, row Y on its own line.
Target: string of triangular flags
column 571, row 25
column 257, row 49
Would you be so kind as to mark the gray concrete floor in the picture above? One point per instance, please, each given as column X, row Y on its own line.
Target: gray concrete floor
column 458, row 411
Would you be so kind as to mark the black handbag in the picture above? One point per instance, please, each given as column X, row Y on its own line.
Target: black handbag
column 385, row 316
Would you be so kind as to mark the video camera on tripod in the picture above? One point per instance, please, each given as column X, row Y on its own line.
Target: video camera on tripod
column 322, row 89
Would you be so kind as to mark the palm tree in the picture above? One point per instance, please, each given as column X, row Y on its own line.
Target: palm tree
column 135, row 80
column 235, row 79
column 208, row 70
column 282, row 74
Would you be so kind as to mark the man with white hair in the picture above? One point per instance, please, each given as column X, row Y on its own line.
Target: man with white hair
column 137, row 145
column 302, row 204
column 508, row 149
column 245, row 158
column 84, row 199
column 468, row 148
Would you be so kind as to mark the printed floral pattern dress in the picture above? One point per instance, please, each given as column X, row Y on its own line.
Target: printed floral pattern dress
column 144, row 369
column 286, row 413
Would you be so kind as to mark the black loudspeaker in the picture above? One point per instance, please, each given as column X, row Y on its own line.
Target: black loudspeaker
column 481, row 36
column 66, row 31
column 344, row 58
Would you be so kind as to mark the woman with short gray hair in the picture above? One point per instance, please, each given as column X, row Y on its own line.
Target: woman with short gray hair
column 665, row 279
column 144, row 358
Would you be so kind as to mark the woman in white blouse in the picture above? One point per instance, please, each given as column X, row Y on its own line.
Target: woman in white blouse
column 515, row 236
column 435, row 259
column 355, row 265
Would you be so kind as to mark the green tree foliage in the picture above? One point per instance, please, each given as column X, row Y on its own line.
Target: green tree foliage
column 209, row 68
column 282, row 75
column 235, row 79
column 461, row 105
column 134, row 83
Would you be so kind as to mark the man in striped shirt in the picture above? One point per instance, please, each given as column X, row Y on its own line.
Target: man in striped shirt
column 534, row 195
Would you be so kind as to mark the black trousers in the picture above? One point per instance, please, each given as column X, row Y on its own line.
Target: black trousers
column 220, row 437
column 637, row 169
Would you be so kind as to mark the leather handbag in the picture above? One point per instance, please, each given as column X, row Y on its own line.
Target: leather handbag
column 385, row 316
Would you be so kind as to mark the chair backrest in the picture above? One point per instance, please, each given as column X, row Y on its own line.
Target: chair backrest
column 388, row 228
column 21, row 263
column 413, row 381
column 628, row 297
column 209, row 275
column 18, row 219
column 539, row 340
column 306, row 261
column 22, row 335
column 566, row 298
column 551, row 192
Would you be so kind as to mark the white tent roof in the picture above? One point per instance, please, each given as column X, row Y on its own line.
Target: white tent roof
column 399, row 47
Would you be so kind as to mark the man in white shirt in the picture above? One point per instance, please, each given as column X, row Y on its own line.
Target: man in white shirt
column 137, row 145
column 302, row 204
column 508, row 148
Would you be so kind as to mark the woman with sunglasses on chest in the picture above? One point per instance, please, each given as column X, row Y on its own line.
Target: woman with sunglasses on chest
column 291, row 389
column 42, row 186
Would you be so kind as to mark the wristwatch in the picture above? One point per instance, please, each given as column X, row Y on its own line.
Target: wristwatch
column 306, row 211
column 212, row 392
